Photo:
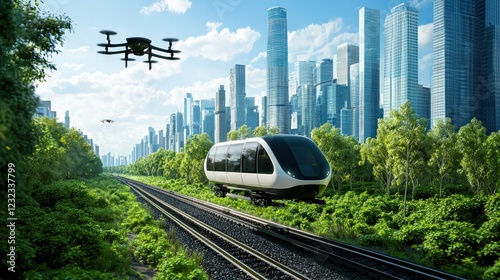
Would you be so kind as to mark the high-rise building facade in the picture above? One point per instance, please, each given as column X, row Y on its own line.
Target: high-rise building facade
column 401, row 60
column 354, row 94
column 188, row 115
column 323, row 88
column 237, row 95
column 66, row 119
column 369, row 72
column 278, row 107
column 347, row 55
column 220, row 115
column 466, row 62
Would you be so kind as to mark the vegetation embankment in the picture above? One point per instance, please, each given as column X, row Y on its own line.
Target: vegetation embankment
column 67, row 222
column 430, row 196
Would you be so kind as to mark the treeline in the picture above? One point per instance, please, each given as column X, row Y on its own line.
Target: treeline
column 60, row 153
column 404, row 157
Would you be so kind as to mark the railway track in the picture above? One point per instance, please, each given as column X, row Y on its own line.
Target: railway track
column 253, row 263
column 374, row 264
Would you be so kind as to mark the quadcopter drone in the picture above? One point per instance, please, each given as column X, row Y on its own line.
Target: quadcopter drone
column 138, row 46
column 107, row 121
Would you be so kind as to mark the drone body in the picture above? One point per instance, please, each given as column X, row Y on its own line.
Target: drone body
column 107, row 121
column 138, row 46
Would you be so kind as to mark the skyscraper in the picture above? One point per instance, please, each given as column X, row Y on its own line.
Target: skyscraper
column 188, row 116
column 220, row 115
column 323, row 84
column 347, row 55
column 237, row 95
column 278, row 107
column 66, row 119
column 354, row 91
column 458, row 48
column 401, row 60
column 369, row 72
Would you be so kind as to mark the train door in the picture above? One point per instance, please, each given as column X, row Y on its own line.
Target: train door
column 234, row 164
column 265, row 169
column 249, row 165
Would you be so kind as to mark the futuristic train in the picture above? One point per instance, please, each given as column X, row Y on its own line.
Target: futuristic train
column 271, row 167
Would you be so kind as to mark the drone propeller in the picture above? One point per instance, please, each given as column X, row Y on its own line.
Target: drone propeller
column 108, row 33
column 164, row 50
column 165, row 57
column 170, row 41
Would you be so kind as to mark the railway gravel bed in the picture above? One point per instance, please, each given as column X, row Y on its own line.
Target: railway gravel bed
column 303, row 261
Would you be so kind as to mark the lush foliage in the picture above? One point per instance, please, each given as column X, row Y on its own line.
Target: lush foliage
column 28, row 38
column 459, row 233
column 60, row 153
column 90, row 229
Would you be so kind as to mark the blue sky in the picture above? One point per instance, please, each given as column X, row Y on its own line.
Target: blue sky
column 213, row 36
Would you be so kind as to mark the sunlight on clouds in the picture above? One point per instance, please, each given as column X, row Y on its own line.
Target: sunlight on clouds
column 223, row 45
column 175, row 6
column 425, row 35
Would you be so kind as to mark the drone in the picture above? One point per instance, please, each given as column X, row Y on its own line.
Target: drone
column 138, row 46
column 107, row 121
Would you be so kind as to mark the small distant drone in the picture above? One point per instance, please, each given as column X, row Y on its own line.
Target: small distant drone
column 138, row 46
column 107, row 121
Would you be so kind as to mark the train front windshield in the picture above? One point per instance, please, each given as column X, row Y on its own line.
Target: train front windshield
column 299, row 157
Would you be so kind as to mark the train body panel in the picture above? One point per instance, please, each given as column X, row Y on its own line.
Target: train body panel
column 277, row 166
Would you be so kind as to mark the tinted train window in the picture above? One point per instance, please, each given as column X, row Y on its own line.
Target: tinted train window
column 210, row 159
column 234, row 157
column 265, row 164
column 299, row 157
column 220, row 158
column 249, row 159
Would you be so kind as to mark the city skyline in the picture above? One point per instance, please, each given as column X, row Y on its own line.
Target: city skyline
column 334, row 29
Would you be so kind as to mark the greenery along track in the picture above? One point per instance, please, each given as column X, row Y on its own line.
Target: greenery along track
column 252, row 262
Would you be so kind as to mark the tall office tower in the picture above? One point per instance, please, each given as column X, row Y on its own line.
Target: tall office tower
column 308, row 109
column 179, row 135
column 347, row 55
column 161, row 139
column 188, row 115
column 263, row 111
column 491, row 58
column 237, row 95
column 338, row 97
column 220, row 115
column 458, row 48
column 323, row 87
column 208, row 122
column 167, row 136
column 354, row 92
column 173, row 126
column 196, row 117
column 294, row 118
column 369, row 72
column 151, row 140
column 401, row 60
column 66, row 119
column 425, row 95
column 251, row 113
column 278, row 107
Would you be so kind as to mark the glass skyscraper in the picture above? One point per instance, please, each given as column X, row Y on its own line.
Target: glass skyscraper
column 369, row 72
column 220, row 115
column 401, row 60
column 346, row 56
column 278, row 107
column 323, row 85
column 466, row 62
column 237, row 95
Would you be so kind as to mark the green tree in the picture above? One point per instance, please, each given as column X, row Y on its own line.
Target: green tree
column 243, row 132
column 406, row 146
column 264, row 130
column 375, row 151
column 444, row 156
column 195, row 151
column 493, row 162
column 28, row 38
column 471, row 143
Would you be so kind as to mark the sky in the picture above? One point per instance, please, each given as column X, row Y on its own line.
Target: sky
column 214, row 35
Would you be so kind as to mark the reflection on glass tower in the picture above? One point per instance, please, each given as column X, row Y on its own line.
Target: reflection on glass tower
column 237, row 96
column 401, row 60
column 464, row 79
column 278, row 109
column 369, row 72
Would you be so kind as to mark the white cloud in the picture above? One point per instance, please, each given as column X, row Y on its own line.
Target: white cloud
column 317, row 41
column 261, row 55
column 223, row 45
column 175, row 6
column 420, row 3
column 425, row 35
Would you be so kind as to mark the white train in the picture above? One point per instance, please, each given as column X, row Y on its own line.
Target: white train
column 271, row 167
